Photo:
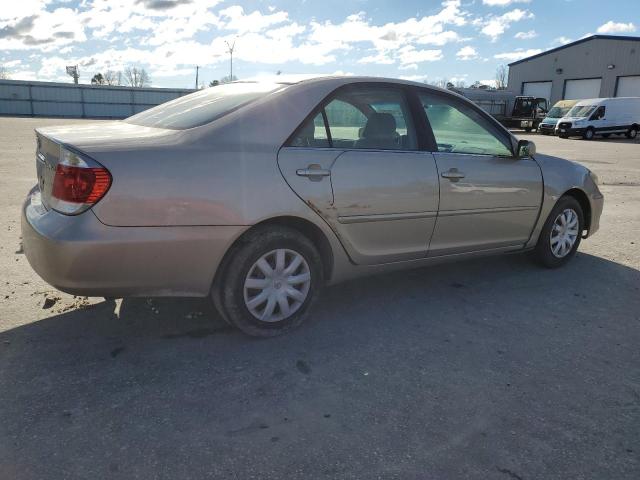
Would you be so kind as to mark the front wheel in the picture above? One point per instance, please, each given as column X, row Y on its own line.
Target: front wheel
column 588, row 134
column 632, row 133
column 270, row 281
column 561, row 234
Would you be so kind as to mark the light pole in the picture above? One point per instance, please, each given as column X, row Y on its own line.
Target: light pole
column 73, row 72
column 230, row 50
column 197, row 68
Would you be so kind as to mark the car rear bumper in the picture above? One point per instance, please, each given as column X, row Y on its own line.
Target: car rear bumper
column 82, row 256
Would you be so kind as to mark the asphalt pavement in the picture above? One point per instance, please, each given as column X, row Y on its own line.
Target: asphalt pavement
column 485, row 369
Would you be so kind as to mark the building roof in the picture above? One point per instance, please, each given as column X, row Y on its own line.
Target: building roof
column 582, row 40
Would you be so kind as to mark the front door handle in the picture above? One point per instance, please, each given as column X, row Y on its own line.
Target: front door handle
column 313, row 172
column 453, row 174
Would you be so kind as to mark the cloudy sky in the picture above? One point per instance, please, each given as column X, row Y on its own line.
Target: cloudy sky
column 416, row 39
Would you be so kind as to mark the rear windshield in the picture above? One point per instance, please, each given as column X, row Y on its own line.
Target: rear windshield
column 202, row 107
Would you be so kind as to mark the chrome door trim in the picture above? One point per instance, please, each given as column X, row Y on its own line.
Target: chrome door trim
column 385, row 217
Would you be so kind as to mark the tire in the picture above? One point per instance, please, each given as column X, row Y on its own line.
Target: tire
column 589, row 134
column 563, row 136
column 632, row 133
column 544, row 250
column 232, row 293
column 528, row 129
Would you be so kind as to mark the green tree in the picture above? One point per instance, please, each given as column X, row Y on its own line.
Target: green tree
column 97, row 79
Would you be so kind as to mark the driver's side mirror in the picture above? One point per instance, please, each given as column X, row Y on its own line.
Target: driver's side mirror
column 526, row 149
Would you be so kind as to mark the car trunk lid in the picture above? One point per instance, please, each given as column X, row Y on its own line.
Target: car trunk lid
column 97, row 137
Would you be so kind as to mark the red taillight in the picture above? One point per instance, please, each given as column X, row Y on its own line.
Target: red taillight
column 83, row 185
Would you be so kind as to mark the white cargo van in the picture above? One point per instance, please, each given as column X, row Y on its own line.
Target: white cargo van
column 602, row 116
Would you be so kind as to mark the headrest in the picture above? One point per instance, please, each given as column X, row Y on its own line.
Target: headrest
column 380, row 125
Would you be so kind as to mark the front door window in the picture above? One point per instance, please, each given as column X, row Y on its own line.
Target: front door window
column 458, row 128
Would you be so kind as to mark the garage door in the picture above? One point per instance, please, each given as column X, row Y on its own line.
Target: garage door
column 582, row 89
column 628, row 86
column 537, row 89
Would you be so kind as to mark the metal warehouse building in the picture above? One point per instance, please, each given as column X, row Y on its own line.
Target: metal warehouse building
column 50, row 99
column 593, row 67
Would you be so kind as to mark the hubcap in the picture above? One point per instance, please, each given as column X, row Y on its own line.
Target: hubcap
column 564, row 233
column 277, row 285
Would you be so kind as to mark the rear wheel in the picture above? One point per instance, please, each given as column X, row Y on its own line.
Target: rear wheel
column 270, row 281
column 632, row 133
column 561, row 234
column 588, row 134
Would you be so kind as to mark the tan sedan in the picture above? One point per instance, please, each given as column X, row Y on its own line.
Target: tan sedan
column 258, row 194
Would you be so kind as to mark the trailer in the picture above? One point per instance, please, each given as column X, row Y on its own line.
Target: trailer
column 511, row 110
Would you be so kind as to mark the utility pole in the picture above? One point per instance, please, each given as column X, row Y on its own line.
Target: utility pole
column 230, row 50
column 197, row 68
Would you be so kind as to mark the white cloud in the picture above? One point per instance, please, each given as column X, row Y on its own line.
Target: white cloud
column 12, row 10
column 502, row 3
column 526, row 35
column 562, row 40
column 517, row 55
column 169, row 37
column 613, row 27
column 489, row 83
column 409, row 54
column 178, row 21
column 467, row 53
column 42, row 30
column 12, row 63
column 235, row 19
column 389, row 38
column 378, row 58
column 495, row 26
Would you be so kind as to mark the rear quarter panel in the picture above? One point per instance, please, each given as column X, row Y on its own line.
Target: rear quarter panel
column 223, row 173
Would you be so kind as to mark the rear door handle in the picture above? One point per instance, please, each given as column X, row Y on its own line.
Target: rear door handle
column 453, row 174
column 313, row 172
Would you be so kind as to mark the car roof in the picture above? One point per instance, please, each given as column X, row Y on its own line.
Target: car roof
column 590, row 101
column 337, row 80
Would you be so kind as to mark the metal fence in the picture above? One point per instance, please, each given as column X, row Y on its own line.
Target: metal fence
column 50, row 99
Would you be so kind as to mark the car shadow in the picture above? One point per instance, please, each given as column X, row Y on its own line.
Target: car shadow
column 612, row 139
column 166, row 381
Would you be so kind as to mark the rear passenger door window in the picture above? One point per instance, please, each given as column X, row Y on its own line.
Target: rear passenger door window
column 371, row 118
column 346, row 123
column 312, row 134
column 375, row 118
